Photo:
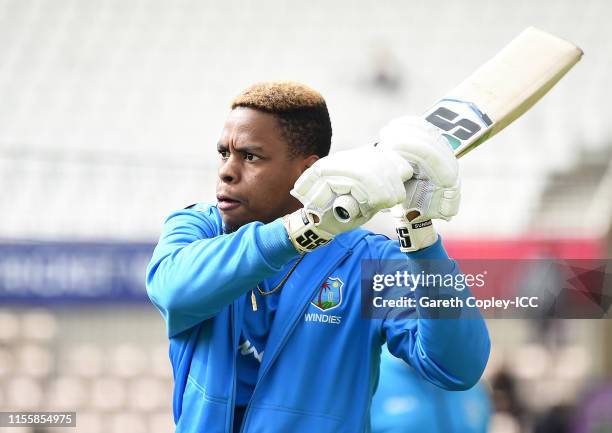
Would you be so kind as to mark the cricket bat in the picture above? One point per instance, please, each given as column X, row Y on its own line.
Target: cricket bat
column 495, row 95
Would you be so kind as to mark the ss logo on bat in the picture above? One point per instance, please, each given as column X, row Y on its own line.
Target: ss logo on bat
column 443, row 118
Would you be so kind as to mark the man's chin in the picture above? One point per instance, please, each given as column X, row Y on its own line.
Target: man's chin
column 227, row 228
column 230, row 225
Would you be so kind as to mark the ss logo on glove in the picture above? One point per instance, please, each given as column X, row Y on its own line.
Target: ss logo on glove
column 404, row 237
column 309, row 240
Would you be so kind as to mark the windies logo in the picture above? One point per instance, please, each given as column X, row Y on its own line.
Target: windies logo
column 329, row 295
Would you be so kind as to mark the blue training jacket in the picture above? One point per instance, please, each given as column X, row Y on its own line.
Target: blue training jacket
column 320, row 367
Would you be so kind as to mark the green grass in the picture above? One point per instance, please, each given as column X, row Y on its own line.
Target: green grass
column 326, row 304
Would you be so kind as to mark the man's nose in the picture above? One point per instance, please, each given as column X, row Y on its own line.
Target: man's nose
column 229, row 170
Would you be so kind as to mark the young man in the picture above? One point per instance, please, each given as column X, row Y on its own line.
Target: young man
column 261, row 292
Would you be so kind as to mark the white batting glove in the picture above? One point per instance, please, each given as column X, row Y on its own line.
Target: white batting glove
column 373, row 177
column 434, row 190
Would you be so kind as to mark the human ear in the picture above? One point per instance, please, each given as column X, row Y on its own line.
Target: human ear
column 309, row 161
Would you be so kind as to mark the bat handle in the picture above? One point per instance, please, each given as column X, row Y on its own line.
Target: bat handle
column 346, row 208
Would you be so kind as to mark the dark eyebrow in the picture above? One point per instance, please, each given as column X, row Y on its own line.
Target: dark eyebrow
column 249, row 148
column 243, row 149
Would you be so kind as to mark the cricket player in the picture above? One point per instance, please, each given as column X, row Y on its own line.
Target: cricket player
column 261, row 291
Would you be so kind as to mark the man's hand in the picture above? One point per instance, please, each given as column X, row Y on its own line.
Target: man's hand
column 433, row 191
column 373, row 177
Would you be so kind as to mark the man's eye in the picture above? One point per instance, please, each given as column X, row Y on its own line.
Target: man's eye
column 224, row 154
column 251, row 157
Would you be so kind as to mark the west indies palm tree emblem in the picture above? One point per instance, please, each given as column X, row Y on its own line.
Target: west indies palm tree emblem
column 329, row 295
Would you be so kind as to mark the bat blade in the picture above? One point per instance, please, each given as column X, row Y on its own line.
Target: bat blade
column 502, row 89
column 497, row 93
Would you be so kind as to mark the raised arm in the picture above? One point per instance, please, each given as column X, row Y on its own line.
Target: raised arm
column 196, row 270
column 449, row 346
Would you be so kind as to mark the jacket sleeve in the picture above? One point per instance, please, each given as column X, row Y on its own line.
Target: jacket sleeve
column 448, row 346
column 195, row 271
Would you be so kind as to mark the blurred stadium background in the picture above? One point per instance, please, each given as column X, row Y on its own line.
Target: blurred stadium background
column 109, row 115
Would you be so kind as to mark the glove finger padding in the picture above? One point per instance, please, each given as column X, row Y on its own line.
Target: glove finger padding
column 314, row 193
column 373, row 177
column 376, row 175
column 420, row 142
column 434, row 189
column 449, row 201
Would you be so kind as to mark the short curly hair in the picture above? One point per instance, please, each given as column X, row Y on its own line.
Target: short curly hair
column 301, row 112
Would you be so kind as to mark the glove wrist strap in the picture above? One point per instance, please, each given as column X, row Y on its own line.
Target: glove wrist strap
column 412, row 235
column 303, row 233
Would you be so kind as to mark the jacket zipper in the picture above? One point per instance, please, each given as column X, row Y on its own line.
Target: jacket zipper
column 287, row 334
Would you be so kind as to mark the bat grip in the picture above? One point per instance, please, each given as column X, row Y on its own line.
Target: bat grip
column 346, row 208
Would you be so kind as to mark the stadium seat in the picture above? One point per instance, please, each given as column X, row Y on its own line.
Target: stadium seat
column 108, row 393
column 67, row 393
column 127, row 361
column 38, row 325
column 84, row 360
column 24, row 393
column 127, row 422
column 9, row 326
column 34, row 360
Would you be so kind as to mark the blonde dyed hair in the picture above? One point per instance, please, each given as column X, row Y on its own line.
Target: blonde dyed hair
column 300, row 110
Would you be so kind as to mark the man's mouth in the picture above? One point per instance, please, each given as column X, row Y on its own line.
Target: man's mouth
column 226, row 203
